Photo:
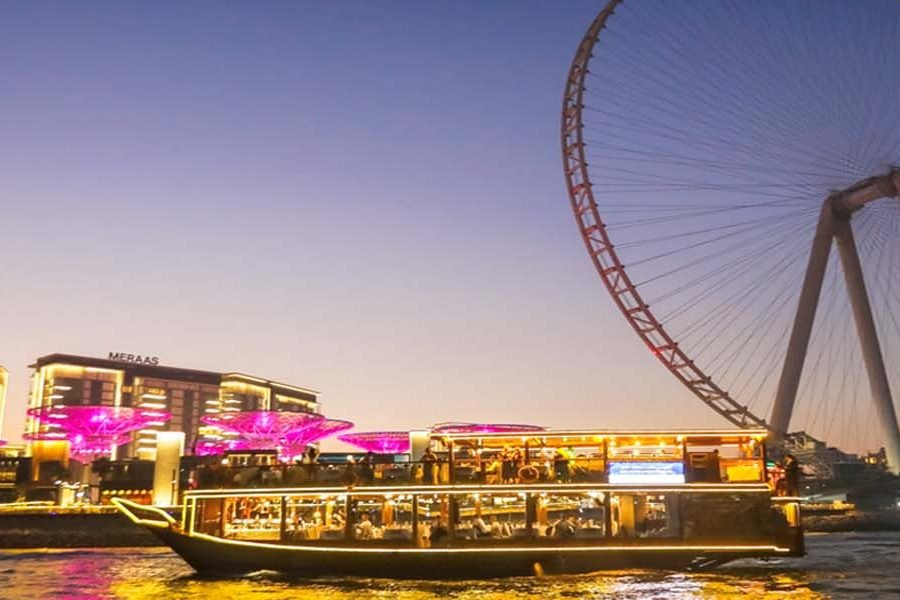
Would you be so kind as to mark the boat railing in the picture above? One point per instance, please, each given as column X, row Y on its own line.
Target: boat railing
column 576, row 470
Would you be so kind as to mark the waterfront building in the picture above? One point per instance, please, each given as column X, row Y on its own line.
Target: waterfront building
column 141, row 382
column 4, row 383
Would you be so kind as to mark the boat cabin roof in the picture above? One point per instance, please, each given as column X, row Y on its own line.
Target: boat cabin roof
column 589, row 437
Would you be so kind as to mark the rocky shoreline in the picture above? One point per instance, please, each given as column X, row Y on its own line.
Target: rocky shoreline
column 853, row 521
column 72, row 531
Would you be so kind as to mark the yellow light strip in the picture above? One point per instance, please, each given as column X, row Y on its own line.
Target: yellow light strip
column 125, row 506
column 242, row 376
column 725, row 548
column 614, row 433
column 193, row 517
column 486, row 489
column 271, row 383
column 100, row 370
column 151, row 405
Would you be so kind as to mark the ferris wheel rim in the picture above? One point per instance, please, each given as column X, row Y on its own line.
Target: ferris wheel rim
column 602, row 251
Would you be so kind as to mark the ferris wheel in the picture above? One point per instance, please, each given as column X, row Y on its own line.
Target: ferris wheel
column 714, row 154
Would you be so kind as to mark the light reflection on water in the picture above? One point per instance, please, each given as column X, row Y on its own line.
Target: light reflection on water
column 839, row 565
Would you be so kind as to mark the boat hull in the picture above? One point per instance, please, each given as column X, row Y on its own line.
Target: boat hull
column 215, row 556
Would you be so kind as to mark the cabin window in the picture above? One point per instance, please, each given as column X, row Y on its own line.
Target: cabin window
column 381, row 518
column 208, row 515
column 491, row 516
column 252, row 518
column 311, row 518
column 641, row 515
column 646, row 461
column 726, row 516
column 433, row 511
column 397, row 518
column 571, row 515
column 725, row 460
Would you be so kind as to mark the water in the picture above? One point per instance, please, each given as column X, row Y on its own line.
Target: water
column 849, row 565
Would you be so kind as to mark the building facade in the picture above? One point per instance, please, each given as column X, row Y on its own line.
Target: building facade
column 4, row 383
column 133, row 381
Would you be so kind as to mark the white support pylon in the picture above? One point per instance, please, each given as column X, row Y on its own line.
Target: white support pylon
column 868, row 339
column 834, row 222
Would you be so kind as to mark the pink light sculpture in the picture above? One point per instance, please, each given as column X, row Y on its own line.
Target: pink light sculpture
column 296, row 442
column 381, row 442
column 261, row 429
column 214, row 447
column 92, row 431
column 476, row 428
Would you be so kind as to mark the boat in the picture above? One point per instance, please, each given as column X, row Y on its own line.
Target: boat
column 482, row 504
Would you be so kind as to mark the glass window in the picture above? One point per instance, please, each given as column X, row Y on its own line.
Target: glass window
column 434, row 512
column 367, row 516
column 256, row 518
column 491, row 516
column 645, row 515
column 732, row 516
column 716, row 460
column 571, row 515
column 315, row 518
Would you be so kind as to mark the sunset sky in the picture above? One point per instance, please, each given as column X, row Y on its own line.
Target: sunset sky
column 362, row 198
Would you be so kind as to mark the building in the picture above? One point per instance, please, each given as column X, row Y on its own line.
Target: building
column 4, row 383
column 141, row 382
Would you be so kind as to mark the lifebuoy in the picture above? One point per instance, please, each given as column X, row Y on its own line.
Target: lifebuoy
column 529, row 474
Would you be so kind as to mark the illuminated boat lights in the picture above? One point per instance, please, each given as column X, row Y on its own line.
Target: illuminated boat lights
column 487, row 489
column 575, row 435
column 706, row 549
column 129, row 508
column 478, row 428
column 380, row 442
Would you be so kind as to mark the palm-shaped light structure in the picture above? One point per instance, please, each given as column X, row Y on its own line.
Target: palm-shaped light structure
column 92, row 431
column 297, row 441
column 261, row 429
column 475, row 428
column 380, row 442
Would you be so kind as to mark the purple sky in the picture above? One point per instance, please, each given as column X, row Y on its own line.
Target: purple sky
column 362, row 198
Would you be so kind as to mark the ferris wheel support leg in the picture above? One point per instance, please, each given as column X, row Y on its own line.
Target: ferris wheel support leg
column 803, row 323
column 868, row 338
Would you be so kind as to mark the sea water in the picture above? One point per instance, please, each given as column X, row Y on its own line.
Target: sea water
column 838, row 565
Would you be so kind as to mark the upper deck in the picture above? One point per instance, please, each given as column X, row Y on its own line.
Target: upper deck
column 545, row 458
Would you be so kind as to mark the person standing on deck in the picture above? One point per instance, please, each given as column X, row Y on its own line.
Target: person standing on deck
column 428, row 463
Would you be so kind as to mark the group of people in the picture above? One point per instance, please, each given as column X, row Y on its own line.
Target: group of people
column 510, row 460
column 495, row 529
column 510, row 466
column 786, row 476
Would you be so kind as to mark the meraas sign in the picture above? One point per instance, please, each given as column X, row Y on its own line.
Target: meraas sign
column 134, row 358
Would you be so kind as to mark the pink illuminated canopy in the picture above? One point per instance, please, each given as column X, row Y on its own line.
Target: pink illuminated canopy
column 476, row 428
column 381, row 442
column 92, row 431
column 214, row 447
column 296, row 442
column 263, row 429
